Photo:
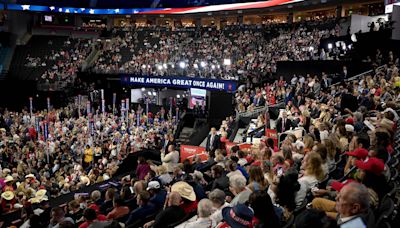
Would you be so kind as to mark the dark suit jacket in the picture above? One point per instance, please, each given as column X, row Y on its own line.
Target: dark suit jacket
column 325, row 84
column 261, row 101
column 288, row 125
column 349, row 101
column 222, row 183
column 216, row 143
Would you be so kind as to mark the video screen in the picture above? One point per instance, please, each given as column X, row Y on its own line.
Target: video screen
column 389, row 4
column 48, row 18
column 136, row 95
column 197, row 96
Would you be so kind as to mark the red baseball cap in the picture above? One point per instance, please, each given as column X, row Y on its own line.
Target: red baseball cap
column 359, row 153
column 373, row 165
column 337, row 186
column 350, row 121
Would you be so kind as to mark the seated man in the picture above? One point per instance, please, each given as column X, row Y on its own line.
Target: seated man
column 204, row 211
column 119, row 210
column 57, row 217
column 352, row 203
column 171, row 214
column 158, row 195
column 145, row 208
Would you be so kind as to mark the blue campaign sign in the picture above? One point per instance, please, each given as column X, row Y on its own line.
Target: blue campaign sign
column 179, row 82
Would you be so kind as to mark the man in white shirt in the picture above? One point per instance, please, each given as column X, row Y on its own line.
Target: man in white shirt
column 353, row 202
column 170, row 160
column 217, row 198
column 204, row 211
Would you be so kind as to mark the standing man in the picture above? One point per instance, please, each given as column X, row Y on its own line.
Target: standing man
column 283, row 124
column 213, row 141
column 170, row 160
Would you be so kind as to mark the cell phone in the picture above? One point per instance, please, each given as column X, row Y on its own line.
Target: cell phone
column 354, row 223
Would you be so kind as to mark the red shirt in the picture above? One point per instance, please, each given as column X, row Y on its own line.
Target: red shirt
column 189, row 207
column 86, row 224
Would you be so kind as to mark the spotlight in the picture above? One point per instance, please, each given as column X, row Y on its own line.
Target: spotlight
column 143, row 66
column 195, row 66
column 154, row 93
column 182, row 64
column 203, row 64
column 227, row 62
column 330, row 46
column 178, row 96
column 149, row 93
column 213, row 66
column 143, row 89
column 159, row 67
column 148, row 66
column 165, row 66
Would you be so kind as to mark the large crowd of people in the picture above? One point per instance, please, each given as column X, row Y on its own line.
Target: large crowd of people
column 62, row 150
column 61, row 63
column 339, row 167
column 211, row 53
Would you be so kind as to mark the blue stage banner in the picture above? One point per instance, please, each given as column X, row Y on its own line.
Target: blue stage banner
column 179, row 82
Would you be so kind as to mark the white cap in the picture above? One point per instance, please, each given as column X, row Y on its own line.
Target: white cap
column 349, row 128
column 153, row 185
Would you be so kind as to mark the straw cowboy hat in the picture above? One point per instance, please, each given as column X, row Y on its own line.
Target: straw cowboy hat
column 8, row 179
column 184, row 189
column 34, row 200
column 8, row 195
column 39, row 196
column 29, row 176
column 41, row 193
column 6, row 171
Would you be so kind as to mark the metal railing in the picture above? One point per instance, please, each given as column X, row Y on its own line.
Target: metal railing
column 360, row 75
column 256, row 111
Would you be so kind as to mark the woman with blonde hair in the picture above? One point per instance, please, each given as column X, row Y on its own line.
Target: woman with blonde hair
column 308, row 143
column 305, row 119
column 313, row 173
column 331, row 149
column 257, row 182
column 163, row 175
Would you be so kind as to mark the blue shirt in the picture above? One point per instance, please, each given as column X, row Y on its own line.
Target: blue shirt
column 243, row 171
column 141, row 213
column 158, row 199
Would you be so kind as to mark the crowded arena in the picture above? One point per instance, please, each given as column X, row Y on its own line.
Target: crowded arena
column 199, row 114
